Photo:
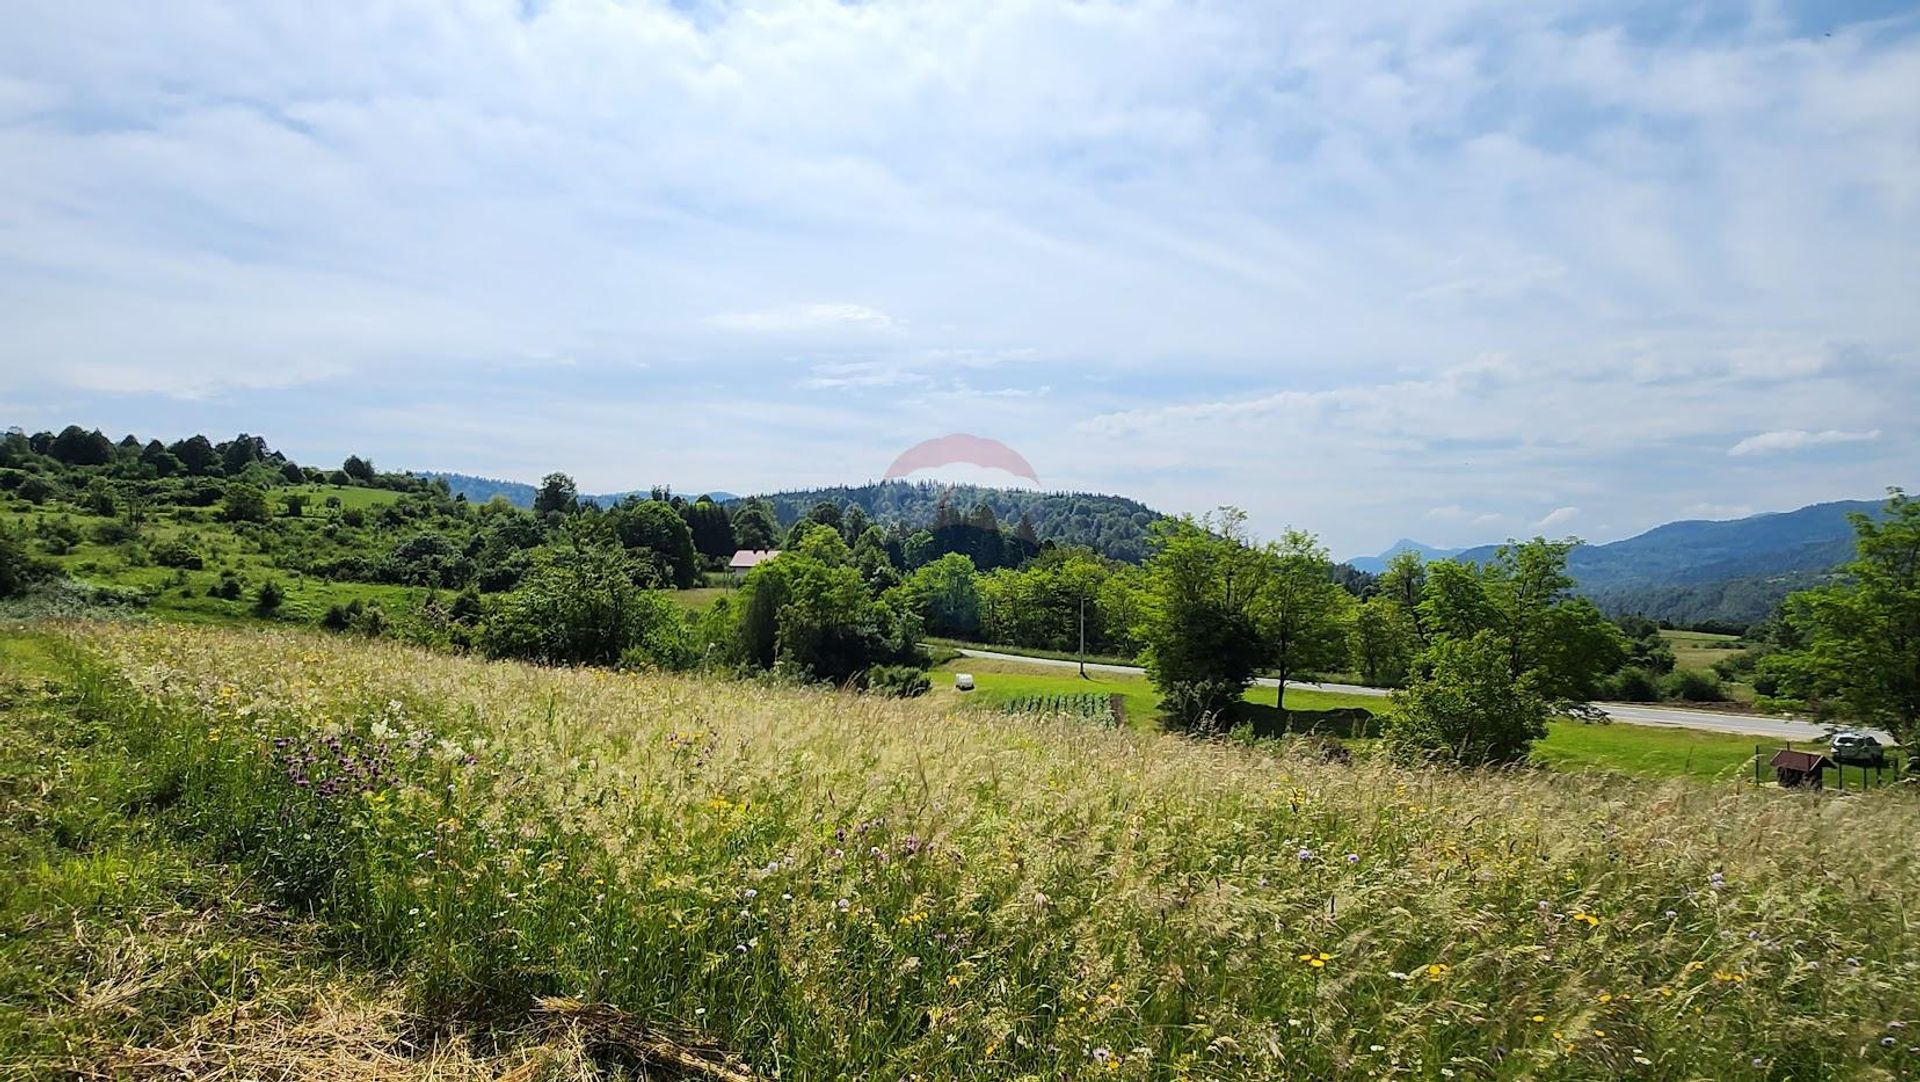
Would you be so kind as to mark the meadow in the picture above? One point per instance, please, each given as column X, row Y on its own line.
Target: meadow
column 792, row 882
column 1569, row 746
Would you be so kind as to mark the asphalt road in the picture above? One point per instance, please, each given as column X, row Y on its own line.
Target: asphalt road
column 1638, row 713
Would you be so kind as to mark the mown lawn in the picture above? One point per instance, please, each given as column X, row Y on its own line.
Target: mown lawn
column 998, row 682
column 1646, row 750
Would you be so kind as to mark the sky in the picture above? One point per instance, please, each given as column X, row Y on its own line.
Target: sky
column 1459, row 271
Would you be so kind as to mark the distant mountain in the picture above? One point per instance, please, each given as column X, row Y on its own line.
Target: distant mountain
column 520, row 494
column 1373, row 565
column 1112, row 525
column 1733, row 572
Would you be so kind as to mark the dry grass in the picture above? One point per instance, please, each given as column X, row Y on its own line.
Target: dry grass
column 832, row 886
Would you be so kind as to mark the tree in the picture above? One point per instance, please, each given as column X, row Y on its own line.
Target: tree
column 75, row 446
column 807, row 612
column 712, row 530
column 240, row 452
column 853, row 523
column 1524, row 597
column 18, row 568
column 1025, row 532
column 578, row 606
column 1201, row 646
column 358, row 470
column 1299, row 609
column 946, row 595
column 1468, row 709
column 1404, row 583
column 196, row 453
column 754, row 526
column 653, row 532
column 557, row 495
column 244, row 503
column 1852, row 648
column 1381, row 642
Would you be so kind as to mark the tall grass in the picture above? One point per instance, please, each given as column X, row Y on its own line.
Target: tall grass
column 836, row 886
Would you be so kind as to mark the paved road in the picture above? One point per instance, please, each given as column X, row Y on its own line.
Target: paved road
column 1638, row 713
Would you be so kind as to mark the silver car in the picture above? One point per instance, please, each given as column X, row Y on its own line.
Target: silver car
column 1858, row 749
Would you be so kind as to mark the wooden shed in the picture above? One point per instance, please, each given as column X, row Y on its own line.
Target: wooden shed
column 1797, row 768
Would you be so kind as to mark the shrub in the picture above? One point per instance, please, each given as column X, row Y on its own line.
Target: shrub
column 1691, row 685
column 1632, row 684
column 898, row 681
column 1469, row 709
column 269, row 598
column 340, row 617
column 177, row 553
column 113, row 532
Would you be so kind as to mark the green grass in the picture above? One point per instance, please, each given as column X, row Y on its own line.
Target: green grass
column 1700, row 649
column 1646, row 750
column 838, row 886
column 351, row 497
column 697, row 598
column 998, row 683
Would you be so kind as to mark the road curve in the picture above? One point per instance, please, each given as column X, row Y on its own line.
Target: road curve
column 1637, row 713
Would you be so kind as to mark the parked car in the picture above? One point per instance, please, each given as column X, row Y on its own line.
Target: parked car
column 1858, row 749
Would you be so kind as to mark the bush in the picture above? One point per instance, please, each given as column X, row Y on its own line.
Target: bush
column 898, row 681
column 113, row 532
column 269, row 598
column 340, row 617
column 1469, row 710
column 177, row 553
column 227, row 589
column 582, row 608
column 1693, row 686
column 1632, row 684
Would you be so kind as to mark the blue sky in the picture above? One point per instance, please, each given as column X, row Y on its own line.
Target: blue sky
column 1459, row 271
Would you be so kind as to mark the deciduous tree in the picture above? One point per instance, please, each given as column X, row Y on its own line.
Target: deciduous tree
column 1855, row 649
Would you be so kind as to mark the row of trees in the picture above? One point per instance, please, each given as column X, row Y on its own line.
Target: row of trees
column 1488, row 651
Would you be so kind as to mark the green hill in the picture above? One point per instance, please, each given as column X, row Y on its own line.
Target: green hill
column 1114, row 526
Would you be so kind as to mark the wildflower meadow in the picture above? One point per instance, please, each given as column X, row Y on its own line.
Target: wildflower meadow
column 826, row 885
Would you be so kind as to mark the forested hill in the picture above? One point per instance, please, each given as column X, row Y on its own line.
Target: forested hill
column 1732, row 572
column 1112, row 525
column 519, row 493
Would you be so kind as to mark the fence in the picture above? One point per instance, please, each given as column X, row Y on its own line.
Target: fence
column 1845, row 776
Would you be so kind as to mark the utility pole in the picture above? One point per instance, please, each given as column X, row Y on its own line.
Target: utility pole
column 1083, row 636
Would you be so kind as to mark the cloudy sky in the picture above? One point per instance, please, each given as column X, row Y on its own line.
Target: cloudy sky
column 1459, row 271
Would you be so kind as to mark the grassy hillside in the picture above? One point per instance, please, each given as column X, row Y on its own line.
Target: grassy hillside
column 821, row 885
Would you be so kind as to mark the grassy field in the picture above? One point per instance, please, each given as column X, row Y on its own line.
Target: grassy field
column 1570, row 746
column 215, row 836
column 998, row 681
column 699, row 597
column 1700, row 649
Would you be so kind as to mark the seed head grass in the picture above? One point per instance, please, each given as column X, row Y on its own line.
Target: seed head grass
column 828, row 885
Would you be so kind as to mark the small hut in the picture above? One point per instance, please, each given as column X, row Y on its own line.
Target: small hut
column 1800, row 768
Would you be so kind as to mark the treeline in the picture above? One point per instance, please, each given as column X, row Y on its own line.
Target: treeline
column 1113, row 526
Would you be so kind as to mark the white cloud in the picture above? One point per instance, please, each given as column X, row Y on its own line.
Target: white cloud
column 1559, row 516
column 1795, row 439
column 1340, row 263
column 1718, row 510
column 803, row 317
